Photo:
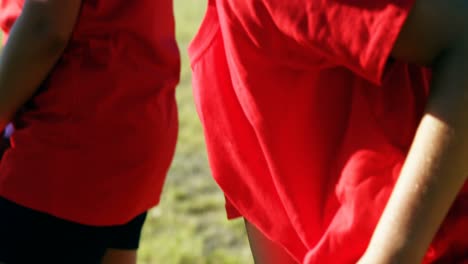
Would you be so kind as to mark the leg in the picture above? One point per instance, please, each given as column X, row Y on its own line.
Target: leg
column 264, row 250
column 119, row 256
column 124, row 242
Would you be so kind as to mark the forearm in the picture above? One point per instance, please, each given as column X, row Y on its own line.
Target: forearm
column 35, row 44
column 434, row 172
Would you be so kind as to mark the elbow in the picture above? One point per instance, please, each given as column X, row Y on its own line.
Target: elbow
column 55, row 44
column 454, row 49
column 454, row 53
column 433, row 31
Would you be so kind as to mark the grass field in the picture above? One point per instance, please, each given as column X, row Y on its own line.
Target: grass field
column 190, row 226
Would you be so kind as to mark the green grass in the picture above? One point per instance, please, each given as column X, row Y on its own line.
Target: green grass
column 189, row 226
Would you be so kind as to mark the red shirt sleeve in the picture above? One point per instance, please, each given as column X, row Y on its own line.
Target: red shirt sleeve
column 357, row 34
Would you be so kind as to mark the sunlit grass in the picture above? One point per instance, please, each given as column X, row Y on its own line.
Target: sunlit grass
column 190, row 226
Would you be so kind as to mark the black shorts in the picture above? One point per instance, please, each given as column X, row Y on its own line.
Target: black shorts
column 28, row 236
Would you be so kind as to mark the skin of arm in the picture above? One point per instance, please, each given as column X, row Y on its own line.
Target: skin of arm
column 435, row 35
column 36, row 42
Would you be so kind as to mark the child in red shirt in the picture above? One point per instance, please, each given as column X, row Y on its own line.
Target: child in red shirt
column 337, row 128
column 97, row 128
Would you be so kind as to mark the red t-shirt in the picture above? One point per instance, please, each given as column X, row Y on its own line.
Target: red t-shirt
column 308, row 123
column 94, row 145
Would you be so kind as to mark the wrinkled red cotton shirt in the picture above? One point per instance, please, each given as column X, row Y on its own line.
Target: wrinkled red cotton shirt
column 94, row 145
column 308, row 123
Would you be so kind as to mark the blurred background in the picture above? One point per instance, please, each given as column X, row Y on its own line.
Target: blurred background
column 190, row 226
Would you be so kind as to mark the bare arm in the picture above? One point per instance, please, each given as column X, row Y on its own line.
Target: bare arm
column 436, row 34
column 36, row 42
